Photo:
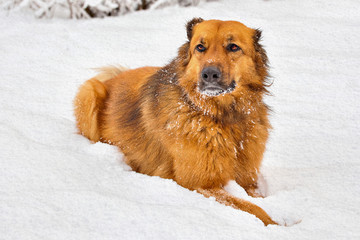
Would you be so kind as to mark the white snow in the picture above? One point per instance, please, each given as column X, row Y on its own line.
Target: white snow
column 55, row 184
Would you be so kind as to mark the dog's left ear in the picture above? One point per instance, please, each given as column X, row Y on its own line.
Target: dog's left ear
column 258, row 47
column 261, row 58
column 190, row 25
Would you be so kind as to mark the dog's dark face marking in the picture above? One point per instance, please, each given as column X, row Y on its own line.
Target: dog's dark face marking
column 211, row 82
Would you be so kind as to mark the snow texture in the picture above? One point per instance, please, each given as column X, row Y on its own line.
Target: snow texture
column 55, row 184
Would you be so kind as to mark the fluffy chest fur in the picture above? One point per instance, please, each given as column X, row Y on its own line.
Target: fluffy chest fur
column 206, row 150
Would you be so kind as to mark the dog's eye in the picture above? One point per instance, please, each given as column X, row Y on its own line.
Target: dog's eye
column 233, row 47
column 200, row 48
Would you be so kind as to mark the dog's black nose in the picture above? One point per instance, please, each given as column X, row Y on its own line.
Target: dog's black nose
column 211, row 75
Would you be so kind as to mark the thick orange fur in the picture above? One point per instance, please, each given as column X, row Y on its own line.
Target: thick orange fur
column 90, row 100
column 165, row 127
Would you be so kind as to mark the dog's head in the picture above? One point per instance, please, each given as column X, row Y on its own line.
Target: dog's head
column 222, row 60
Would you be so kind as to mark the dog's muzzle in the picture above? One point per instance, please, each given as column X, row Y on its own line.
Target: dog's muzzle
column 211, row 83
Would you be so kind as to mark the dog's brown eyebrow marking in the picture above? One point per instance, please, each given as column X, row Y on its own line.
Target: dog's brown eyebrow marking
column 202, row 41
column 230, row 38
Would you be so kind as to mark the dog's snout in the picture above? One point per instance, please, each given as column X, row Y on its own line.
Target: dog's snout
column 211, row 74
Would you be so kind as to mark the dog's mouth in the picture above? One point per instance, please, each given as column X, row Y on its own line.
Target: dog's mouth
column 215, row 89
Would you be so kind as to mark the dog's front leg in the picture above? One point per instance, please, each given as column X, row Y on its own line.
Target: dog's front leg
column 225, row 198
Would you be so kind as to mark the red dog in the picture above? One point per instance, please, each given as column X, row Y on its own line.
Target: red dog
column 200, row 120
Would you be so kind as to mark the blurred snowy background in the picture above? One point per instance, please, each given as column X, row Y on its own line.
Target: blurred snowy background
column 55, row 184
column 91, row 8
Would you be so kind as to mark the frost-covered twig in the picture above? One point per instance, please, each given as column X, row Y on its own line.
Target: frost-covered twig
column 90, row 8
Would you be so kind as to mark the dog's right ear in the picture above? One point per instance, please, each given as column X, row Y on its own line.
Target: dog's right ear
column 183, row 53
column 190, row 25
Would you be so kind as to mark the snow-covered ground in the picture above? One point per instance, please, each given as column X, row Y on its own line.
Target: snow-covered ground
column 55, row 184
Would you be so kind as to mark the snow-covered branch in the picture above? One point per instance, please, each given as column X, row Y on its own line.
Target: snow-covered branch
column 90, row 8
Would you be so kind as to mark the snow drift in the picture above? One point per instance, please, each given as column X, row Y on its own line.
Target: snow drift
column 55, row 184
